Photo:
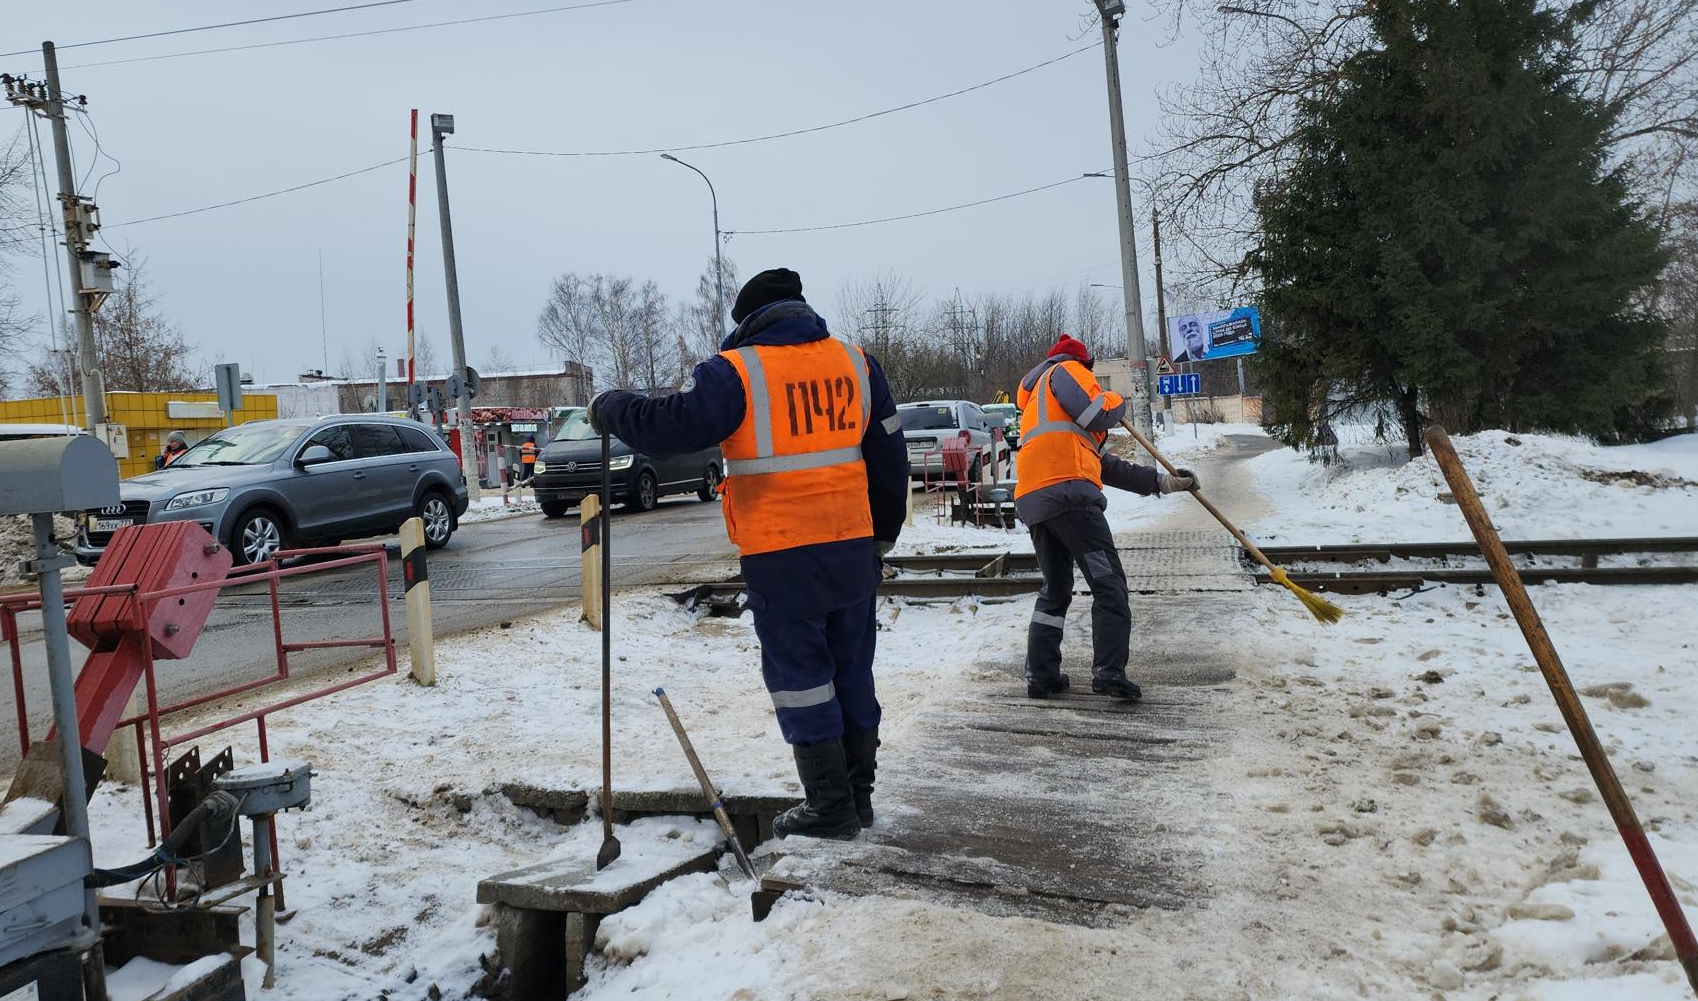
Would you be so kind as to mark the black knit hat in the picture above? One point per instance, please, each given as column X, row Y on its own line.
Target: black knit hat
column 764, row 289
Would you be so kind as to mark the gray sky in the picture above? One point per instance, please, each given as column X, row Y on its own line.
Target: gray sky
column 242, row 282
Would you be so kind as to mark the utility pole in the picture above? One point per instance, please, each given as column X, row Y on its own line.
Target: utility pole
column 86, row 269
column 1136, row 351
column 443, row 125
column 382, row 381
column 881, row 311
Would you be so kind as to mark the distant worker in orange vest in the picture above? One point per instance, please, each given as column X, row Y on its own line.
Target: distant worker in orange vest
column 1065, row 417
column 528, row 459
column 816, row 491
column 176, row 443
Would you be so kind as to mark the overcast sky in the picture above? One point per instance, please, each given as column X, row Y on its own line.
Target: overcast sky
column 242, row 282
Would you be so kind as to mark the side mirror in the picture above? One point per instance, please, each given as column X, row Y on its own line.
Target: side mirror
column 312, row 455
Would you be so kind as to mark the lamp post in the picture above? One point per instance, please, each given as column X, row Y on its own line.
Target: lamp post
column 718, row 260
column 443, row 125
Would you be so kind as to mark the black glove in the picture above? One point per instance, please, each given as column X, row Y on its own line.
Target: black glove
column 595, row 422
column 1185, row 480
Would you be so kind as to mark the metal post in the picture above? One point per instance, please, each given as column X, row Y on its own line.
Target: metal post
column 74, row 789
column 1161, row 308
column 718, row 258
column 1136, row 351
column 441, row 125
column 94, row 384
column 382, row 382
column 265, row 909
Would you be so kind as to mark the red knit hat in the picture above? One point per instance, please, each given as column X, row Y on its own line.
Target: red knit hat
column 1068, row 347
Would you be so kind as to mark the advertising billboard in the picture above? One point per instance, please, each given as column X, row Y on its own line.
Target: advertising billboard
column 1222, row 333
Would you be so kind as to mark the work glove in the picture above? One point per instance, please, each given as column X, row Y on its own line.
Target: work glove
column 884, row 548
column 595, row 422
column 1186, row 480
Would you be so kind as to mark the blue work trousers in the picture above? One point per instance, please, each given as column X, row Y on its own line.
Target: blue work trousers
column 819, row 671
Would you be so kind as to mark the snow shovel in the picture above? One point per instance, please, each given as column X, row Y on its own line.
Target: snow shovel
column 1318, row 606
column 609, row 843
column 714, row 802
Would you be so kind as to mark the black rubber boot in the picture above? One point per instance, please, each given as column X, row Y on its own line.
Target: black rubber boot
column 860, row 753
column 1044, row 689
column 1121, row 688
column 829, row 809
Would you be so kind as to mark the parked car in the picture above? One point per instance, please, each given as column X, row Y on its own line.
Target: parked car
column 925, row 425
column 569, row 469
column 1010, row 415
column 265, row 486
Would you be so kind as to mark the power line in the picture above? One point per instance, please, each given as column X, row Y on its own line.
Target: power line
column 355, row 34
column 794, row 132
column 213, row 27
column 255, row 198
column 899, row 218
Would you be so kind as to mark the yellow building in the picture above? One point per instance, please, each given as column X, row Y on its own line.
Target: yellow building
column 147, row 418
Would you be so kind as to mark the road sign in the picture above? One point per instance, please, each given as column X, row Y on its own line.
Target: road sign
column 1164, row 366
column 229, row 378
column 1180, row 385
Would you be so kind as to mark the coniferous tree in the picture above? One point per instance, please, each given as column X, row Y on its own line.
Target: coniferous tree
column 1449, row 241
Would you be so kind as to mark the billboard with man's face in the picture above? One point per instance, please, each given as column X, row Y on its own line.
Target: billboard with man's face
column 1223, row 333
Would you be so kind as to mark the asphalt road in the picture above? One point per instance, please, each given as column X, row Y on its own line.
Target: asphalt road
column 490, row 572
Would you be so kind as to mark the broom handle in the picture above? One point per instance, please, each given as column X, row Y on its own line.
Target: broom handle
column 1243, row 540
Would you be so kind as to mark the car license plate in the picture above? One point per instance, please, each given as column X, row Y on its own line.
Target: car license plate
column 112, row 524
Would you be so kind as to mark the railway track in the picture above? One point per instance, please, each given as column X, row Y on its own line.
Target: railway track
column 953, row 575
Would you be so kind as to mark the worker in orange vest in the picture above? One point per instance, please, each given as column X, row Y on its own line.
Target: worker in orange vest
column 528, row 459
column 816, row 491
column 176, row 443
column 1065, row 416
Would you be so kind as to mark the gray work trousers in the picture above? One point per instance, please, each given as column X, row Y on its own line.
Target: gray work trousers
column 1078, row 537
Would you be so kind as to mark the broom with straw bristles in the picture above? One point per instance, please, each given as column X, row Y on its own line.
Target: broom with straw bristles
column 1318, row 606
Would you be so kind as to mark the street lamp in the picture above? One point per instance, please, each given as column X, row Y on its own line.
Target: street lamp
column 718, row 260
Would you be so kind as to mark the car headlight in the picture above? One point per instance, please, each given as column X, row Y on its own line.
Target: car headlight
column 197, row 498
column 540, row 467
column 621, row 462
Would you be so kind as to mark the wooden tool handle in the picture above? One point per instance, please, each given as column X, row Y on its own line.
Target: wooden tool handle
column 708, row 790
column 1243, row 540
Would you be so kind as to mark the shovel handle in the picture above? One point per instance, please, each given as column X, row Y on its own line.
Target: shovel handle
column 1243, row 540
column 714, row 802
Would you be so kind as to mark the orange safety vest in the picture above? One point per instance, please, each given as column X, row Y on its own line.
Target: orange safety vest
column 1053, row 447
column 794, row 471
column 528, row 453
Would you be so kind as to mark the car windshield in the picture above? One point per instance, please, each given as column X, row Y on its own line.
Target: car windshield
column 248, row 445
column 927, row 418
column 577, row 428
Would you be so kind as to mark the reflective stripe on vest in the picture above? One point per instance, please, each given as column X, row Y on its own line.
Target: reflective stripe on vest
column 760, row 411
column 1047, row 426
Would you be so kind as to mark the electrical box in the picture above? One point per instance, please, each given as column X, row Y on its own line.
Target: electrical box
column 41, row 893
column 117, row 438
column 52, row 475
column 268, row 787
column 96, row 272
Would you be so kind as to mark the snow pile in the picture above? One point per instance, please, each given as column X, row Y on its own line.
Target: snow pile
column 17, row 544
column 490, row 506
column 1535, row 486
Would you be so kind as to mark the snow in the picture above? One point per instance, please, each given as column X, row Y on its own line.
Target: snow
column 490, row 506
column 1394, row 807
column 1544, row 487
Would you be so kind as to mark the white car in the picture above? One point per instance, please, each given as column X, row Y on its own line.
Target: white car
column 925, row 425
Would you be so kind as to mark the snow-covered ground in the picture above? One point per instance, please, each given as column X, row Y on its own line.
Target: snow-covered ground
column 491, row 506
column 1398, row 811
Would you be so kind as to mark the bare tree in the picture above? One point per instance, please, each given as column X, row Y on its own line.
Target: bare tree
column 424, row 357
column 17, row 230
column 567, row 324
column 619, row 326
column 496, row 359
column 140, row 350
column 700, row 324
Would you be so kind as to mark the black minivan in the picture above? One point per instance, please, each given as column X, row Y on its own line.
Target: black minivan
column 569, row 469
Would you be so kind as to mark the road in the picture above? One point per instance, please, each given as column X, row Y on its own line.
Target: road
column 491, row 572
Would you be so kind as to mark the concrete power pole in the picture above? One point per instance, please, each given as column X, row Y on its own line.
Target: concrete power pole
column 77, row 219
column 1136, row 352
column 443, row 125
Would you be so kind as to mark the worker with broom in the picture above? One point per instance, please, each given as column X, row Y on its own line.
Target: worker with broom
column 815, row 494
column 1065, row 416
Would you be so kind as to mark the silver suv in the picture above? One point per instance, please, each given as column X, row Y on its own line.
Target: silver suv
column 270, row 485
column 925, row 425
